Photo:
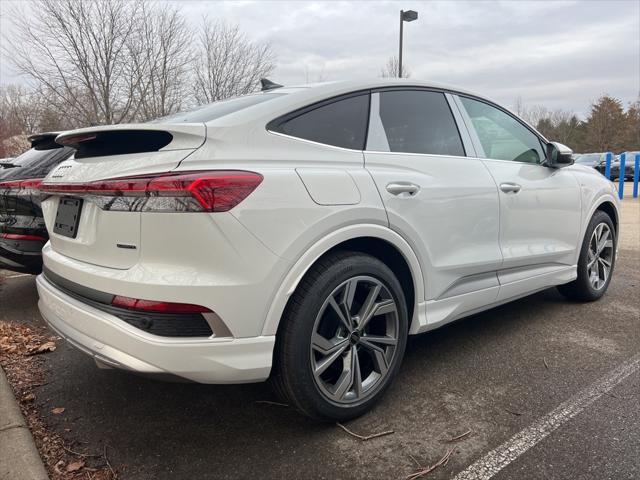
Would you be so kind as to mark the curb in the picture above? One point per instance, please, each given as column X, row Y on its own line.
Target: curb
column 20, row 459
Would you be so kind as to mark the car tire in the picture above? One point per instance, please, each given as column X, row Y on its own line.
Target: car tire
column 595, row 267
column 367, row 350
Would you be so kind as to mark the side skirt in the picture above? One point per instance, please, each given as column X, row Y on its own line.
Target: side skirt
column 436, row 313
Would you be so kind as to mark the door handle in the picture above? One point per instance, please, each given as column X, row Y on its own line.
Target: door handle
column 510, row 187
column 399, row 188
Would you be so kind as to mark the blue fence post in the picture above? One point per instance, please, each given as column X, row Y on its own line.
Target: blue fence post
column 636, row 175
column 607, row 166
column 623, row 158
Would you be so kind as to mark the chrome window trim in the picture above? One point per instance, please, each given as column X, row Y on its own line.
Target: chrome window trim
column 313, row 142
column 424, row 155
column 371, row 151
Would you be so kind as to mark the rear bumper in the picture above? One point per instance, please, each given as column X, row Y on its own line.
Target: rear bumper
column 113, row 342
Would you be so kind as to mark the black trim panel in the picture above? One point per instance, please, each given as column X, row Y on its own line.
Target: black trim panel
column 161, row 324
column 76, row 290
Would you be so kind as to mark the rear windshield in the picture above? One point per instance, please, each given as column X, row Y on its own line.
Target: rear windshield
column 34, row 163
column 219, row 109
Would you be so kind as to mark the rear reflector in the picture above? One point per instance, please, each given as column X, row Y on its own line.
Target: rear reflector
column 213, row 191
column 17, row 236
column 157, row 307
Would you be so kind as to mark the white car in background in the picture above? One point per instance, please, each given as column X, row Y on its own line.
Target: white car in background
column 300, row 234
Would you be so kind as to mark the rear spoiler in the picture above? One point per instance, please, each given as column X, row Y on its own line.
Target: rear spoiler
column 44, row 141
column 133, row 138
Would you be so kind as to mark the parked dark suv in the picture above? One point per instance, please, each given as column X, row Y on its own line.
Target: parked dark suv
column 599, row 162
column 22, row 229
column 628, row 166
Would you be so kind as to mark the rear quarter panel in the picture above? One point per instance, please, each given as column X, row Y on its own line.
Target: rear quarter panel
column 281, row 212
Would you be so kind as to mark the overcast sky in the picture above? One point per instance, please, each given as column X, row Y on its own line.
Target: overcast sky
column 562, row 54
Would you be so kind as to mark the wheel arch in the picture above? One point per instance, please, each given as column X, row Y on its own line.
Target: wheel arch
column 376, row 240
column 610, row 209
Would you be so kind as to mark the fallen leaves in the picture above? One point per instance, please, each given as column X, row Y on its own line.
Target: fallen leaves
column 49, row 346
column 29, row 397
column 21, row 349
column 21, row 340
column 75, row 466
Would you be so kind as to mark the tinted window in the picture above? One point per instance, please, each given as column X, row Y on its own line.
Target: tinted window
column 417, row 121
column 342, row 123
column 589, row 159
column 35, row 163
column 214, row 110
column 501, row 135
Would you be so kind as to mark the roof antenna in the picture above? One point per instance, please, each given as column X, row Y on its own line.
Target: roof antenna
column 268, row 84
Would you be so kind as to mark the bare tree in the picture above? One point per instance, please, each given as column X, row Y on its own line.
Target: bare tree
column 161, row 55
column 20, row 109
column 390, row 69
column 535, row 114
column 80, row 52
column 520, row 108
column 14, row 146
column 228, row 63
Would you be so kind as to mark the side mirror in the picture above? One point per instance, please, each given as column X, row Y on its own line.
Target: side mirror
column 558, row 155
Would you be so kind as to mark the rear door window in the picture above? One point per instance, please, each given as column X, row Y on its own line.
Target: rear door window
column 341, row 122
column 414, row 121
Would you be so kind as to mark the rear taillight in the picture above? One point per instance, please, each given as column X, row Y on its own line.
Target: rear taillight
column 157, row 307
column 29, row 186
column 18, row 236
column 217, row 191
column 76, row 139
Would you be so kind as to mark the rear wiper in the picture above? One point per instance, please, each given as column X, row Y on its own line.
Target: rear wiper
column 8, row 165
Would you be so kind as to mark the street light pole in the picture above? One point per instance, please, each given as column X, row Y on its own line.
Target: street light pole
column 408, row 16
column 400, row 43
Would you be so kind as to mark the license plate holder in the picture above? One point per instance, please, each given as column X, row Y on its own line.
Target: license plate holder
column 68, row 217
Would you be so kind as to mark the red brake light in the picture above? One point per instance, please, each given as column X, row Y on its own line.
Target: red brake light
column 27, row 184
column 158, row 307
column 14, row 184
column 17, row 236
column 75, row 139
column 213, row 191
column 33, row 183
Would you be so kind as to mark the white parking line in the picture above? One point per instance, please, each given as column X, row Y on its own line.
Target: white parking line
column 500, row 457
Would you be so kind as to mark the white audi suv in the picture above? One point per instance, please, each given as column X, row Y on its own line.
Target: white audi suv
column 300, row 234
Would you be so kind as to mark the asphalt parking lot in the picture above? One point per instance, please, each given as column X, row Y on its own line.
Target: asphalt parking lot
column 562, row 377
